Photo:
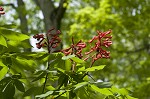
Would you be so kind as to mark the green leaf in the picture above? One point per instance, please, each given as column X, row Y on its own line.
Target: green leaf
column 77, row 60
column 44, row 95
column 24, row 44
column 102, row 84
column 94, row 68
column 123, row 91
column 68, row 65
column 33, row 91
column 40, row 76
column 12, row 35
column 1, row 63
column 16, row 76
column 104, row 91
column 9, row 26
column 19, row 85
column 63, row 80
column 23, row 64
column 129, row 97
column 83, row 93
column 80, row 85
column 3, row 41
column 9, row 91
column 67, row 57
column 3, row 72
column 61, row 70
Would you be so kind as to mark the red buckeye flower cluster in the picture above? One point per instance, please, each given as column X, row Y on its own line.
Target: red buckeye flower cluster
column 52, row 40
column 75, row 49
column 40, row 38
column 2, row 10
column 102, row 40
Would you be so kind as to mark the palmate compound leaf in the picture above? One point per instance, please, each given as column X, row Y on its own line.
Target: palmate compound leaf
column 12, row 35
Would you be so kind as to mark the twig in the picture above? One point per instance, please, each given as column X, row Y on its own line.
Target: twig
column 46, row 77
column 86, row 73
column 49, row 51
column 91, row 77
column 9, row 4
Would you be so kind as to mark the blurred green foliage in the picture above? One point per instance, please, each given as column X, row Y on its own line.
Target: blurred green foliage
column 130, row 53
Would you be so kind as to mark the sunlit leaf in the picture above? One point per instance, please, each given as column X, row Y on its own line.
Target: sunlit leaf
column 94, row 68
column 77, row 60
column 129, row 97
column 68, row 65
column 12, row 35
column 102, row 84
column 44, row 95
column 80, row 85
column 1, row 63
column 9, row 26
column 3, row 72
column 67, row 57
column 104, row 91
column 123, row 91
column 3, row 41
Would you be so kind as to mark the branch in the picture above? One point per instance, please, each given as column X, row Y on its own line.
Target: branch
column 9, row 4
column 61, row 10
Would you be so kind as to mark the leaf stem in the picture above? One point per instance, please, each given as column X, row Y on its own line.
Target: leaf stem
column 86, row 73
column 49, row 51
column 60, row 95
column 46, row 77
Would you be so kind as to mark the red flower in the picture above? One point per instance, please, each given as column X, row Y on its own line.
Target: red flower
column 1, row 11
column 38, row 36
column 102, row 40
column 54, row 39
column 75, row 49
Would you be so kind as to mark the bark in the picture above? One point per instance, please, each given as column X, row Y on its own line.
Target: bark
column 52, row 15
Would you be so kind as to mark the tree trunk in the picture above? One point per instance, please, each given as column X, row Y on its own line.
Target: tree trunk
column 52, row 15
